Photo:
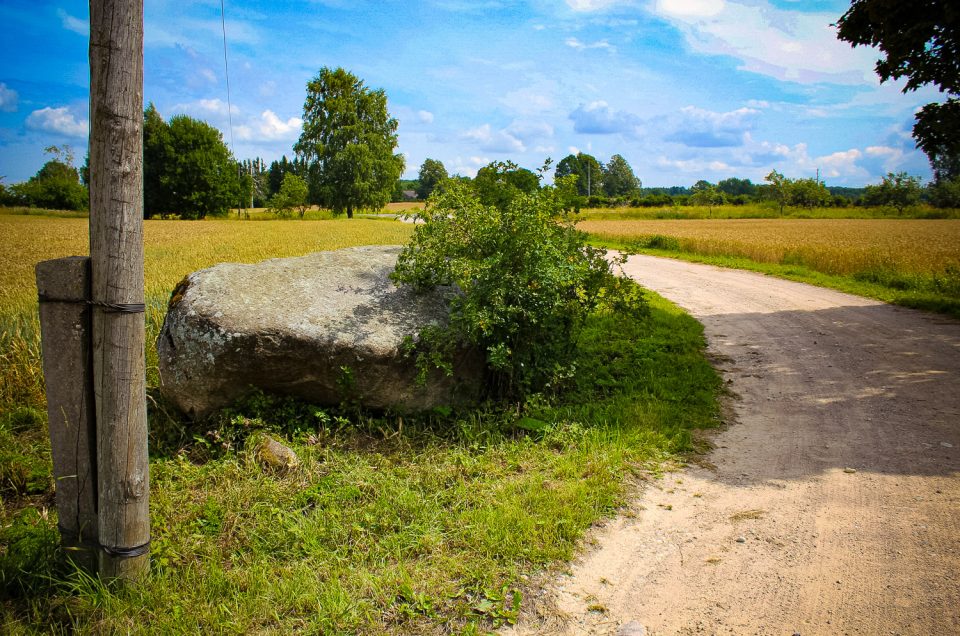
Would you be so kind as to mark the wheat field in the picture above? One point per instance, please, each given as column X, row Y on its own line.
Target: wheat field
column 832, row 246
column 173, row 249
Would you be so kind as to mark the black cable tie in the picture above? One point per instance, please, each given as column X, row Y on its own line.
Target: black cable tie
column 127, row 553
column 108, row 308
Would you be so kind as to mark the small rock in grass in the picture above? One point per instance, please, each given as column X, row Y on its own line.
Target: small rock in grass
column 274, row 456
column 946, row 444
column 850, row 470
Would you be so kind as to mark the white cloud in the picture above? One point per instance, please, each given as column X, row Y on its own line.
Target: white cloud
column 701, row 128
column 71, row 23
column 8, row 99
column 574, row 43
column 880, row 151
column 788, row 45
column 597, row 118
column 590, row 5
column 272, row 127
column 530, row 130
column 205, row 108
column 269, row 127
column 841, row 164
column 59, row 121
column 535, row 99
column 796, row 161
column 691, row 8
column 489, row 140
column 208, row 75
column 425, row 116
column 883, row 159
column 468, row 167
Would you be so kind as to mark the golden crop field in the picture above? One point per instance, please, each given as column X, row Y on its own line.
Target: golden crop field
column 831, row 246
column 173, row 249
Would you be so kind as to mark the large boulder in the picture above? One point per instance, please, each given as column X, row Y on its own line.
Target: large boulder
column 327, row 327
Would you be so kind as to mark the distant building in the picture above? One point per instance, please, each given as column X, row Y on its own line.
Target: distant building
column 409, row 195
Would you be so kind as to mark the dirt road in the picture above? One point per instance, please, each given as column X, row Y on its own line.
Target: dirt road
column 830, row 505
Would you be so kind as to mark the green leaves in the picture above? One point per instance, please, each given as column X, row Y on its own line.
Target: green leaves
column 528, row 279
column 292, row 194
column 348, row 141
column 188, row 170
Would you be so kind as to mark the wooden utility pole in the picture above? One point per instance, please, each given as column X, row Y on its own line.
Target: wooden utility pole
column 116, row 253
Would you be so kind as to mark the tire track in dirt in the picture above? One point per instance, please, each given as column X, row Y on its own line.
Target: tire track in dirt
column 831, row 505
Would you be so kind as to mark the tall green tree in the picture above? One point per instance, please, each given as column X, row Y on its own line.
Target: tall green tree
column 779, row 189
column 432, row 174
column 348, row 142
column 919, row 41
column 187, row 169
column 568, row 166
column 157, row 152
column 200, row 178
column 586, row 168
column 618, row 177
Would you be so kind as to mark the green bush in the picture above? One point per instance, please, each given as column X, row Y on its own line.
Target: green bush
column 528, row 278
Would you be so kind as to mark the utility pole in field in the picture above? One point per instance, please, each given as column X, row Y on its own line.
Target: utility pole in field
column 92, row 323
column 116, row 257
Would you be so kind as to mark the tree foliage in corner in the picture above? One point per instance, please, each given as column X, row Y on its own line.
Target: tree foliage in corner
column 919, row 41
column 528, row 278
column 348, row 142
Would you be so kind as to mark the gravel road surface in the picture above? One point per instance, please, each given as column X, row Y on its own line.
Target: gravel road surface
column 829, row 505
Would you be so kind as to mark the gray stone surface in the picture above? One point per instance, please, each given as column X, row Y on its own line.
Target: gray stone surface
column 327, row 327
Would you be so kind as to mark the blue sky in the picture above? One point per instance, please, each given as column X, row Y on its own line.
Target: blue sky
column 683, row 89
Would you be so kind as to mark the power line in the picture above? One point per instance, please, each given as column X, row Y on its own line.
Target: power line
column 226, row 73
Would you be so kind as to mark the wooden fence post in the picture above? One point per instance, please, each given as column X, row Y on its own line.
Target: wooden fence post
column 64, row 286
column 116, row 252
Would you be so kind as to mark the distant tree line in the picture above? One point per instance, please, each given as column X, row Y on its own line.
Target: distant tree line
column 345, row 159
column 593, row 184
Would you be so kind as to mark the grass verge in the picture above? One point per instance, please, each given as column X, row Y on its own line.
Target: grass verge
column 390, row 525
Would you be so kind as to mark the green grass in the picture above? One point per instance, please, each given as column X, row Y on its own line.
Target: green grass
column 930, row 293
column 390, row 525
